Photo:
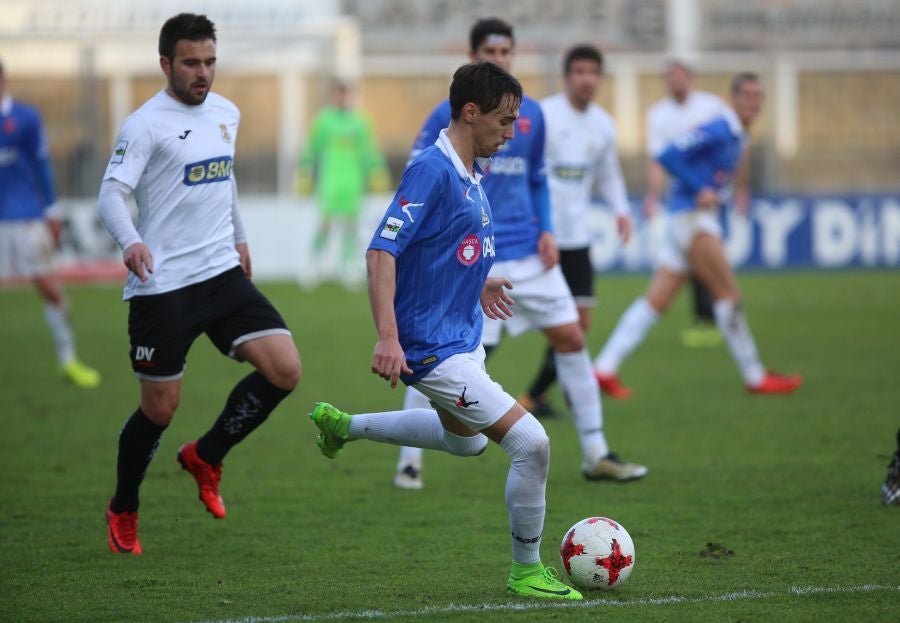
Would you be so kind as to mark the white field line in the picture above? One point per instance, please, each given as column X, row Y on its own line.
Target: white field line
column 519, row 606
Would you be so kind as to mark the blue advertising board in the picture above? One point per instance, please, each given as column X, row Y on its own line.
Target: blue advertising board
column 779, row 232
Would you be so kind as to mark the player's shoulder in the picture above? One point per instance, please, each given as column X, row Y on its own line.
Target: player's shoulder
column 706, row 98
column 24, row 111
column 529, row 106
column 552, row 102
column 218, row 102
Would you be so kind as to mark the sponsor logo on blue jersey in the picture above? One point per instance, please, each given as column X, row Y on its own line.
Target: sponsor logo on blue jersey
column 216, row 169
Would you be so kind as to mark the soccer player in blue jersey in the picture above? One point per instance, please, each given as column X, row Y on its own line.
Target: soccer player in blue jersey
column 30, row 225
column 428, row 267
column 702, row 164
column 527, row 254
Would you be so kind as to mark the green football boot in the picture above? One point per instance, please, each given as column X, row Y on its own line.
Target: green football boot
column 334, row 428
column 544, row 583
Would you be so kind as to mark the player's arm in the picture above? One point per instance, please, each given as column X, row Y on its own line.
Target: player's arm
column 306, row 162
column 113, row 206
column 240, row 234
column 655, row 173
column 539, row 192
column 612, row 187
column 389, row 360
column 38, row 154
column 676, row 159
column 742, row 182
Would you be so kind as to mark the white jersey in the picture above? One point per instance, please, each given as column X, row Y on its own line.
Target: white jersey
column 178, row 160
column 668, row 119
column 580, row 151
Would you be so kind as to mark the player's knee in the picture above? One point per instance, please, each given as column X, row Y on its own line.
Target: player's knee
column 284, row 372
column 465, row 446
column 568, row 339
column 527, row 440
column 160, row 410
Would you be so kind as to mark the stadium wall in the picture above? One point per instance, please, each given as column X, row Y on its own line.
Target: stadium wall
column 860, row 231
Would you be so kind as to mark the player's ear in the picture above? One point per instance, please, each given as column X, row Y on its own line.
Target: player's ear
column 165, row 65
column 470, row 112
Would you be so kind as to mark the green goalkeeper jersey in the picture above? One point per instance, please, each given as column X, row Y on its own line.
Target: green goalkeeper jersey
column 342, row 155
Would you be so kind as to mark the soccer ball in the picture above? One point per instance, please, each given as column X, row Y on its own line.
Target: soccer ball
column 597, row 552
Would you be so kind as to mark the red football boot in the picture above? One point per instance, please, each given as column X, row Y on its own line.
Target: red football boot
column 611, row 386
column 121, row 532
column 774, row 383
column 207, row 477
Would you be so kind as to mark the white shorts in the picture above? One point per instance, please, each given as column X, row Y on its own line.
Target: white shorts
column 26, row 249
column 542, row 299
column 462, row 386
column 681, row 229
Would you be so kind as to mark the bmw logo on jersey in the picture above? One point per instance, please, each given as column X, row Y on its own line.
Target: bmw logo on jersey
column 216, row 169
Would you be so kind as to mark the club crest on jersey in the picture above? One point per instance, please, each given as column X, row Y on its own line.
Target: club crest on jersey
column 523, row 125
column 392, row 227
column 216, row 169
column 225, row 135
column 469, row 250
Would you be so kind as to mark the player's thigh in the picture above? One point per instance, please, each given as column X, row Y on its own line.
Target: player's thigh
column 161, row 330
column 244, row 315
column 275, row 356
column 710, row 264
column 664, row 287
column 26, row 249
column 462, row 387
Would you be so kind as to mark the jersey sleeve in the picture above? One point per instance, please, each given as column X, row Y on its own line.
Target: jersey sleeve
column 537, row 171
column 437, row 121
column 39, row 154
column 612, row 182
column 414, row 212
column 134, row 146
column 677, row 157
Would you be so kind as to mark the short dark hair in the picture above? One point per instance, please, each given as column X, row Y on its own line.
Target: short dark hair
column 483, row 28
column 484, row 84
column 741, row 79
column 188, row 26
column 583, row 52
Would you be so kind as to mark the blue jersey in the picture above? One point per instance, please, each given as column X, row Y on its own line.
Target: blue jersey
column 706, row 157
column 515, row 181
column 26, row 182
column 438, row 227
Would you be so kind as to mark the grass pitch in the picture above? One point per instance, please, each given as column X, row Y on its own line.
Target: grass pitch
column 790, row 484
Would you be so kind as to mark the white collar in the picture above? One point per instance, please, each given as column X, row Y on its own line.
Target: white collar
column 731, row 118
column 443, row 143
column 6, row 104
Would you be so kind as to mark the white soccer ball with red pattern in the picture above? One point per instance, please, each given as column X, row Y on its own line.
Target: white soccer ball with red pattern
column 597, row 553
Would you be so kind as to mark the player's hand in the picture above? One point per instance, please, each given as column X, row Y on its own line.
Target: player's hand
column 651, row 206
column 547, row 250
column 137, row 257
column 379, row 181
column 707, row 199
column 244, row 257
column 741, row 201
column 494, row 300
column 303, row 185
column 623, row 224
column 389, row 361
column 55, row 226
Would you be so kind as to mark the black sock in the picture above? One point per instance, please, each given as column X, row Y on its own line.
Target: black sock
column 250, row 403
column 703, row 303
column 546, row 376
column 138, row 442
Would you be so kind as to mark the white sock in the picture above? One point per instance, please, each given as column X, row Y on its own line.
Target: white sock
column 576, row 377
column 631, row 330
column 58, row 321
column 421, row 428
column 413, row 399
column 528, row 447
column 732, row 324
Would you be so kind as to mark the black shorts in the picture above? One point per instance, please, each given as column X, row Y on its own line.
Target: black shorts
column 579, row 274
column 228, row 308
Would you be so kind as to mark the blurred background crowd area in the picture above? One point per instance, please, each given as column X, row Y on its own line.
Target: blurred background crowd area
column 831, row 70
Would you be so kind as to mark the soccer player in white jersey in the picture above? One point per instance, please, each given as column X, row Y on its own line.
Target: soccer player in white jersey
column 527, row 254
column 30, row 225
column 580, row 153
column 702, row 165
column 430, row 337
column 682, row 110
column 189, row 274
